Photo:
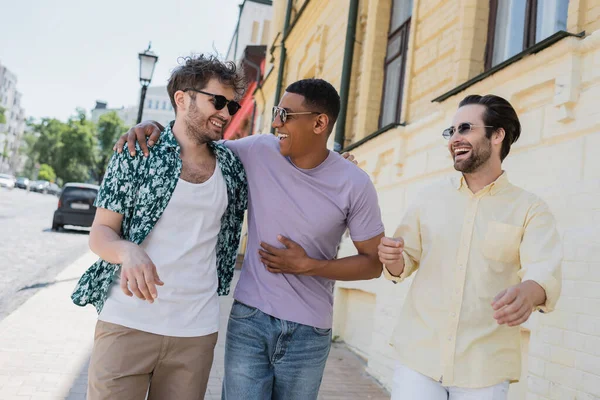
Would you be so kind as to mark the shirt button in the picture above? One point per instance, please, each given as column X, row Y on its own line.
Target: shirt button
column 457, row 291
column 461, row 266
column 453, row 314
column 449, row 338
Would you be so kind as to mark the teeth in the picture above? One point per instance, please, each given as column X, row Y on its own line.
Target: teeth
column 215, row 123
column 460, row 150
column 282, row 136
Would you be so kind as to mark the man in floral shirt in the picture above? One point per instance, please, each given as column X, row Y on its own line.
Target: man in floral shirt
column 172, row 220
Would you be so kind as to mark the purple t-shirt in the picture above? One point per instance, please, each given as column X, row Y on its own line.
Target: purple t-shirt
column 312, row 207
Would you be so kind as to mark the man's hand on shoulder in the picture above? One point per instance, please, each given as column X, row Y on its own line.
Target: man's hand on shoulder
column 139, row 133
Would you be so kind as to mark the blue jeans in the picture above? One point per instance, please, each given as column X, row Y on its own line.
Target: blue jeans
column 270, row 358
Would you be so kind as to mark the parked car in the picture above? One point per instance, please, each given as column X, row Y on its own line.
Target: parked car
column 39, row 186
column 54, row 189
column 22, row 183
column 7, row 181
column 75, row 206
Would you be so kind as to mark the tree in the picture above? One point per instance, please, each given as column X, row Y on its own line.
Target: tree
column 69, row 148
column 46, row 173
column 77, row 156
column 2, row 116
column 110, row 127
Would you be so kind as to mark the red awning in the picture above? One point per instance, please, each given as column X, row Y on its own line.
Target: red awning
column 239, row 125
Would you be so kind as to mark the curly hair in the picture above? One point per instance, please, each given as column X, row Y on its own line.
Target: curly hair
column 195, row 72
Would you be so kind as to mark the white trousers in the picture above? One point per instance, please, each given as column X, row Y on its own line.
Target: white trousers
column 411, row 385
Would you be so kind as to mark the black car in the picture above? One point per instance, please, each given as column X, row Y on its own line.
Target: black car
column 76, row 206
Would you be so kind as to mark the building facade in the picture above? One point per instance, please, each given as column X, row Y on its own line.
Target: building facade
column 11, row 133
column 253, row 28
column 402, row 67
column 157, row 107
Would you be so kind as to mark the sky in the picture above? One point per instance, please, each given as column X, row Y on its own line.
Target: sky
column 70, row 53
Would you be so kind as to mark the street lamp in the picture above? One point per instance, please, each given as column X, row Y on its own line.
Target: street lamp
column 147, row 63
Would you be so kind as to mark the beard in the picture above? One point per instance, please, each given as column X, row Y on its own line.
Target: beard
column 479, row 156
column 197, row 127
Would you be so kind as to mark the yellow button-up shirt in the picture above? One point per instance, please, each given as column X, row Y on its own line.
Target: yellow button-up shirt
column 467, row 248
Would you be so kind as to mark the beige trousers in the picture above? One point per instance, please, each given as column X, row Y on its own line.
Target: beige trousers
column 130, row 364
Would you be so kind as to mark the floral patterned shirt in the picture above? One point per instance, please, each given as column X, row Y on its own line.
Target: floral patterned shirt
column 140, row 188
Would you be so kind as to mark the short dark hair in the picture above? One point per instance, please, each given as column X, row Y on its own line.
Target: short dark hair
column 195, row 72
column 499, row 113
column 320, row 95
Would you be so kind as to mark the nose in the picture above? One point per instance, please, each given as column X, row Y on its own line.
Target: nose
column 277, row 122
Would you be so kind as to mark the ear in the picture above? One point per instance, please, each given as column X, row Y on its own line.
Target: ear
column 498, row 136
column 179, row 97
column 320, row 125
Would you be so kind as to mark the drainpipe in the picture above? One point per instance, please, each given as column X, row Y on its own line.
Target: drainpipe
column 286, row 27
column 340, row 129
column 237, row 31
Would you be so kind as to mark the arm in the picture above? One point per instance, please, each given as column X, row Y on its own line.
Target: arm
column 541, row 280
column 114, row 200
column 294, row 260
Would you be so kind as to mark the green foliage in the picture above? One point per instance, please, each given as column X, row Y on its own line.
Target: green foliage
column 46, row 173
column 77, row 150
column 2, row 115
column 110, row 128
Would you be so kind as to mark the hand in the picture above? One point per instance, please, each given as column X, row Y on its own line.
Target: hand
column 139, row 133
column 139, row 275
column 390, row 251
column 291, row 260
column 514, row 305
column 349, row 157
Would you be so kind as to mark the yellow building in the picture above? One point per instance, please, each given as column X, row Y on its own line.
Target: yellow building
column 401, row 67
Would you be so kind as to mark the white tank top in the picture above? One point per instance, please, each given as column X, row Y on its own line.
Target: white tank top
column 182, row 246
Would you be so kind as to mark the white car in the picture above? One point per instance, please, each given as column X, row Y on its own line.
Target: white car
column 7, row 181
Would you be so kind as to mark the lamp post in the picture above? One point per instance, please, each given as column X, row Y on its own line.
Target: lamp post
column 147, row 63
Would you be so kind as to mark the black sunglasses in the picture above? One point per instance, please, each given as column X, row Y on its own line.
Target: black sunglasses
column 283, row 113
column 219, row 101
column 462, row 129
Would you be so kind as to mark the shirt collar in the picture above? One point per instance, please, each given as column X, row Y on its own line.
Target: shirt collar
column 168, row 137
column 500, row 183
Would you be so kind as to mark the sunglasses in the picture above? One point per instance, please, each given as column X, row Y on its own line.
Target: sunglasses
column 219, row 101
column 462, row 129
column 283, row 113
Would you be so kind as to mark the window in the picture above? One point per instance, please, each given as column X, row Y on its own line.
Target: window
column 395, row 62
column 515, row 25
column 149, row 103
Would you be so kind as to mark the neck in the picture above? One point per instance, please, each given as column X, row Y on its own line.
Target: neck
column 189, row 147
column 312, row 159
column 484, row 176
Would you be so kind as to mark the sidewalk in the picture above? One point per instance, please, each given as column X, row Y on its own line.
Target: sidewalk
column 45, row 347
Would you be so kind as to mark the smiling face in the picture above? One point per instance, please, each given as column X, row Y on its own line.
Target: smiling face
column 301, row 134
column 471, row 150
column 203, row 121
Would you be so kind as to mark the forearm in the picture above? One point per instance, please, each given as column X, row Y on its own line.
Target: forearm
column 107, row 244
column 353, row 268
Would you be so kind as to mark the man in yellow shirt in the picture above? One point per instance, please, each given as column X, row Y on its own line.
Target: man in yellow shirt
column 486, row 255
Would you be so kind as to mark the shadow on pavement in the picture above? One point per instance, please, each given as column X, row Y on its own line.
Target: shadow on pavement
column 45, row 284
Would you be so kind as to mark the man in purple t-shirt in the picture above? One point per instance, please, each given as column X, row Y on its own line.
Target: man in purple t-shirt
column 302, row 198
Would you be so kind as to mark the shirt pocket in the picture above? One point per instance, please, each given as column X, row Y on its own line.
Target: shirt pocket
column 502, row 242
